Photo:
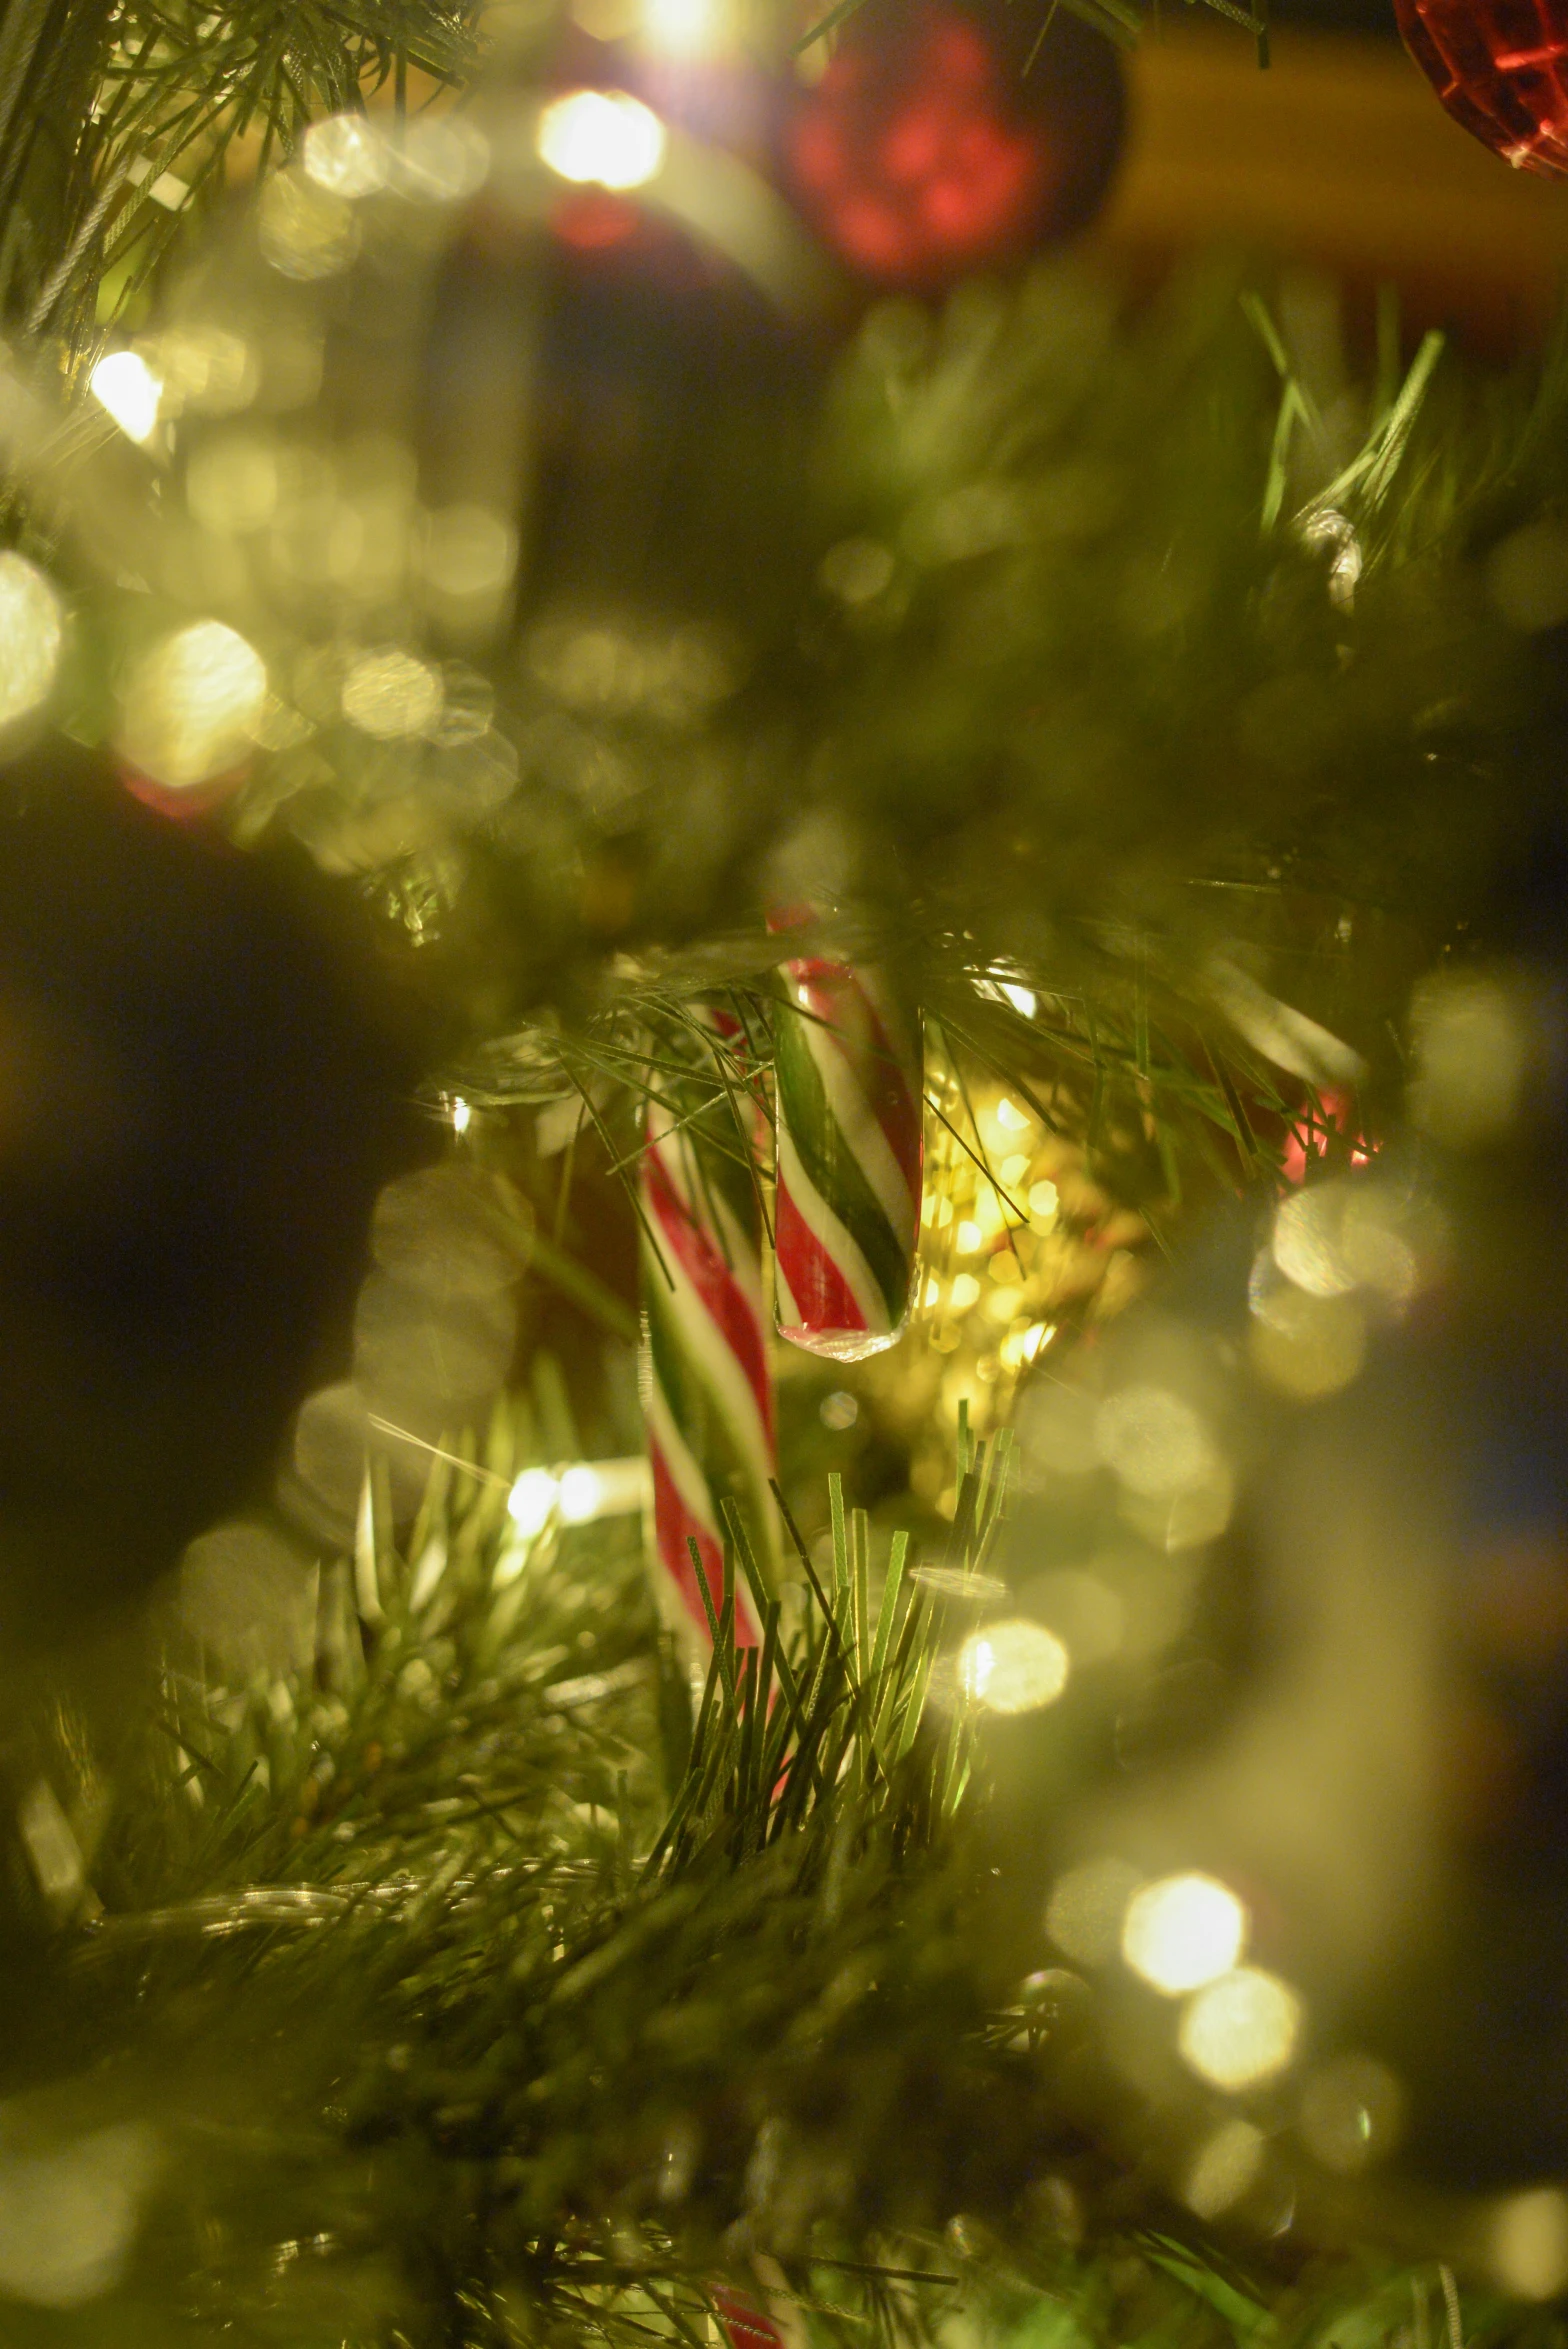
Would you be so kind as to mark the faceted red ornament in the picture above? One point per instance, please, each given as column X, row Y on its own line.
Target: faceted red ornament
column 935, row 144
column 1501, row 69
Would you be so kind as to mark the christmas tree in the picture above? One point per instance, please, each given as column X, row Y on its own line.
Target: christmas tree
column 781, row 1118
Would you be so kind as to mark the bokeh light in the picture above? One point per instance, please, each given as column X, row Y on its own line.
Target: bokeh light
column 441, row 1230
column 202, row 367
column 126, row 387
column 1013, row 1667
column 346, row 155
column 1183, row 1931
column 191, row 705
column 1472, row 1050
column 602, row 138
column 1331, row 1238
column 1306, row 1346
column 70, row 2213
column 442, row 158
column 1087, row 1616
column 232, row 483
column 32, row 631
column 1086, row 1908
column 1529, row 2243
column 857, row 570
column 391, row 693
column 1226, row 2166
column 1527, row 577
column 1242, row 2030
column 1352, row 2111
column 468, row 553
column 1155, row 1441
column 250, row 1599
column 684, row 28
column 532, row 1501
column 304, row 230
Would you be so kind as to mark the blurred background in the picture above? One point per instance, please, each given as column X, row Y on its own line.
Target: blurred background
column 1335, row 160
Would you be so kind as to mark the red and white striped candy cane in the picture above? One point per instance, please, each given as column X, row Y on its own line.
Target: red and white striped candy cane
column 848, row 1084
column 706, row 1384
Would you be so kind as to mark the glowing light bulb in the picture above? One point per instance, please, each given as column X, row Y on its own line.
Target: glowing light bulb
column 1183, row 1931
column 462, row 1114
column 602, row 138
column 31, row 631
column 124, row 384
column 1241, row 2030
column 1012, row 1667
column 581, row 1495
column 531, row 1500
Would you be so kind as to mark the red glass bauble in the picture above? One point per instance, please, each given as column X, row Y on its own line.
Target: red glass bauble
column 936, row 144
column 1501, row 68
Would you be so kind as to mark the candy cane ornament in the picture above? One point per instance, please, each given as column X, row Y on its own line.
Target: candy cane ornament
column 848, row 1086
column 707, row 1389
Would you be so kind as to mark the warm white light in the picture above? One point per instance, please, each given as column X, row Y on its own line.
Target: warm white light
column 346, row 156
column 31, row 631
column 444, row 159
column 391, row 693
column 462, row 1114
column 1225, row 2167
column 1087, row 1907
column 531, row 1500
column 1241, row 2030
column 602, row 137
column 1183, row 1931
column 588, row 1490
column 124, row 384
column 1530, row 2243
column 192, row 705
column 1156, row 1443
column 1012, row 1667
column 579, row 1501
column 604, row 1488
column 681, row 26
column 1014, row 1119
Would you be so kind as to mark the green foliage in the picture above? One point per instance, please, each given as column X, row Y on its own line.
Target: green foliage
column 444, row 2018
column 433, row 1999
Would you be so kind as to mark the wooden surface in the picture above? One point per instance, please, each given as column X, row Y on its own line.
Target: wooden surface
column 1339, row 156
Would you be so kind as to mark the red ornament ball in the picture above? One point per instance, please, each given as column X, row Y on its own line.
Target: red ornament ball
column 1501, row 69
column 936, row 144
